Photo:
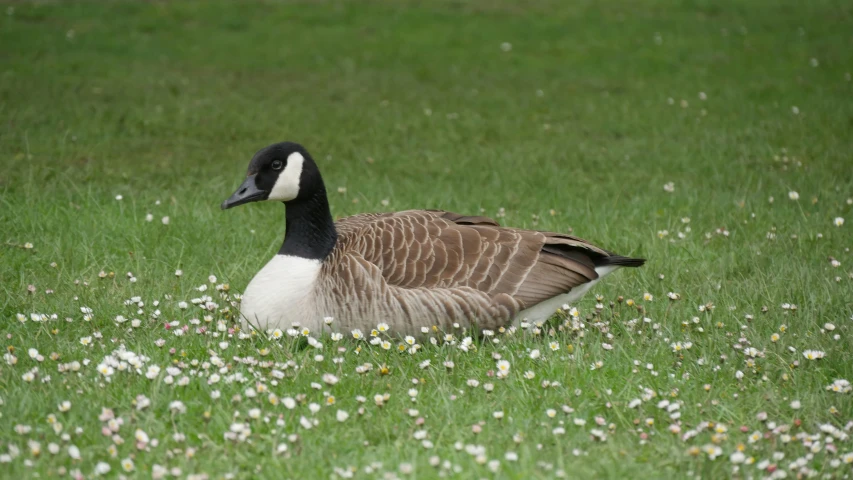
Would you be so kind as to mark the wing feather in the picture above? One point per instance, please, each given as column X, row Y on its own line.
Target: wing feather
column 433, row 249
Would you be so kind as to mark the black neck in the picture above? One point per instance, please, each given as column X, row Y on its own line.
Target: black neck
column 310, row 229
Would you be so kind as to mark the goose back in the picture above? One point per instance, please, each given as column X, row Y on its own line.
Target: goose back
column 424, row 268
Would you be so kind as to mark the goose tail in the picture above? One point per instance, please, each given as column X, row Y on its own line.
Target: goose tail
column 620, row 261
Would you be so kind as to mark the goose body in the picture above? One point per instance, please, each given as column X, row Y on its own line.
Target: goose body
column 409, row 269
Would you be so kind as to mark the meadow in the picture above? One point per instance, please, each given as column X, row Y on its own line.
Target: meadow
column 712, row 138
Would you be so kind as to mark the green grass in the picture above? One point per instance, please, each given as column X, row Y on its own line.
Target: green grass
column 165, row 102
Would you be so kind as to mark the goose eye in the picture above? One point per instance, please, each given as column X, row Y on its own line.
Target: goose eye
column 277, row 164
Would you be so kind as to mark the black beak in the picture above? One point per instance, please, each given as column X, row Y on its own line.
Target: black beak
column 247, row 192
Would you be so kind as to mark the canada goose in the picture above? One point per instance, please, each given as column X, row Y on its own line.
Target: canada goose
column 409, row 269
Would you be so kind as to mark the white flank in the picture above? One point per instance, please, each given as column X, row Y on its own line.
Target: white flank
column 287, row 185
column 282, row 293
column 544, row 310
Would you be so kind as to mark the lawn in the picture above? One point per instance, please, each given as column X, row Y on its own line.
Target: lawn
column 713, row 138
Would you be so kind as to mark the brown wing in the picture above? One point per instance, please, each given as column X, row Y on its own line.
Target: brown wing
column 437, row 249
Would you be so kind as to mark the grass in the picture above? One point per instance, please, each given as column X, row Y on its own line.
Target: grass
column 591, row 112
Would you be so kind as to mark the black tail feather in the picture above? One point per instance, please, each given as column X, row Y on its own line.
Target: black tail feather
column 619, row 261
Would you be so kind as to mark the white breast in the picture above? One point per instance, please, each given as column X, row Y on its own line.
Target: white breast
column 282, row 293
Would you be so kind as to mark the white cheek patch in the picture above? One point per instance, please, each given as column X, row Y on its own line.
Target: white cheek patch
column 287, row 185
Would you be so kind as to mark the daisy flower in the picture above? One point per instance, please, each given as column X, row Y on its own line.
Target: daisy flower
column 814, row 354
column 177, row 406
column 840, row 386
column 503, row 368
column 102, row 468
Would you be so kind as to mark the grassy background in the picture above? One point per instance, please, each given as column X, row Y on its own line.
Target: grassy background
column 417, row 103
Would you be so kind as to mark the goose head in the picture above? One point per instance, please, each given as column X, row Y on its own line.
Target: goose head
column 283, row 172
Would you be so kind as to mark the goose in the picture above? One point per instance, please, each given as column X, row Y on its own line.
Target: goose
column 407, row 269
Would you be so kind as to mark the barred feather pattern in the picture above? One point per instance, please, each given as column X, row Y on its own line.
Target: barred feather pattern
column 425, row 268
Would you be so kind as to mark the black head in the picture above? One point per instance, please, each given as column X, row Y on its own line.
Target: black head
column 283, row 172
